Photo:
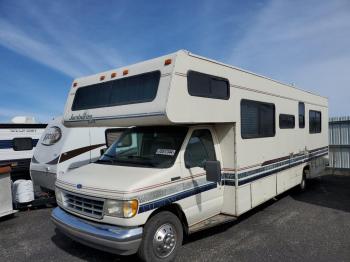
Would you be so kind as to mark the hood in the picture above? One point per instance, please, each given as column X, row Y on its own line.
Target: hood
column 105, row 179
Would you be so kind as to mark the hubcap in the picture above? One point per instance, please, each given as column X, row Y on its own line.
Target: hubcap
column 164, row 240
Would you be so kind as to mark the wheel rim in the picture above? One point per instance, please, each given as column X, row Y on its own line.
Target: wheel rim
column 164, row 240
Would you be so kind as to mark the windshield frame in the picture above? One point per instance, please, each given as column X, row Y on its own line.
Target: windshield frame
column 106, row 158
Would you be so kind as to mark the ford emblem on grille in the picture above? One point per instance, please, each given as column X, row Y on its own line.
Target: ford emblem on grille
column 79, row 186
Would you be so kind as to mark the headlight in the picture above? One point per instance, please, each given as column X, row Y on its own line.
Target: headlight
column 58, row 194
column 121, row 208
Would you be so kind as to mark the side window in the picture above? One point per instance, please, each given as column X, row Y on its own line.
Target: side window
column 200, row 148
column 314, row 122
column 204, row 85
column 286, row 121
column 22, row 144
column 112, row 135
column 257, row 119
column 301, row 115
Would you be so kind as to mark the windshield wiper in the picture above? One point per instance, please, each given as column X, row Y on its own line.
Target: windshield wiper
column 110, row 156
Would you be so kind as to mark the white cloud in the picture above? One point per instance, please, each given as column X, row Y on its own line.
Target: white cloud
column 304, row 42
column 61, row 46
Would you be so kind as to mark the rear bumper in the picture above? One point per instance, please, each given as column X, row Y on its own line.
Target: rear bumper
column 43, row 179
column 113, row 239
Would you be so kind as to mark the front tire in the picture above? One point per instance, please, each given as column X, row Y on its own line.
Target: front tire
column 162, row 238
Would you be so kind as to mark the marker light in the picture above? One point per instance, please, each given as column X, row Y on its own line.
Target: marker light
column 113, row 75
column 167, row 62
column 102, row 78
column 125, row 72
column 75, row 84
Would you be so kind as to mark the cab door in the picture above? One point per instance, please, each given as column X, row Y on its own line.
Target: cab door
column 202, row 145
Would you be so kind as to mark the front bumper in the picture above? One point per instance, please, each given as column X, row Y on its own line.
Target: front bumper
column 113, row 239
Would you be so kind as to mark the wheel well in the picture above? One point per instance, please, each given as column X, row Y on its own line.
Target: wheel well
column 177, row 211
column 306, row 170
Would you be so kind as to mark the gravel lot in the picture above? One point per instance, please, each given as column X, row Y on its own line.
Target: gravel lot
column 309, row 226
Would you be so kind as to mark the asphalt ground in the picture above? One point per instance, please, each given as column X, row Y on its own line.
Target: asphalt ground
column 309, row 226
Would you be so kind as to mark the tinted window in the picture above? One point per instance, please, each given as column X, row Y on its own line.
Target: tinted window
column 113, row 135
column 286, row 121
column 301, row 115
column 200, row 148
column 22, row 144
column 135, row 89
column 203, row 85
column 314, row 122
column 146, row 146
column 257, row 119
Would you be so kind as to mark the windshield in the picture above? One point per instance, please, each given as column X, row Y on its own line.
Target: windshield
column 155, row 146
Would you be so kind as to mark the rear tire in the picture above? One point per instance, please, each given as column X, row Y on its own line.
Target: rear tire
column 162, row 238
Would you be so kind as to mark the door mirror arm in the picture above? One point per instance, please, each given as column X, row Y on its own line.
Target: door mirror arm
column 103, row 150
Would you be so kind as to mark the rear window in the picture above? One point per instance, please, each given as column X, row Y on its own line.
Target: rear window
column 22, row 144
column 314, row 122
column 204, row 85
column 135, row 89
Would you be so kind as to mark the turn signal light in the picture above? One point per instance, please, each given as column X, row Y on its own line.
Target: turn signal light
column 125, row 72
column 113, row 75
column 102, row 78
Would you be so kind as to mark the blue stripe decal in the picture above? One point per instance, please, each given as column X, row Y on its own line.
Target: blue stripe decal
column 8, row 144
column 173, row 198
column 249, row 176
column 229, row 180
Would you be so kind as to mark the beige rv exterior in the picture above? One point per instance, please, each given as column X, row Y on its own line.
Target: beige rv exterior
column 253, row 169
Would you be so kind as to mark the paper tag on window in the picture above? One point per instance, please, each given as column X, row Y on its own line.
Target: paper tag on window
column 166, row 152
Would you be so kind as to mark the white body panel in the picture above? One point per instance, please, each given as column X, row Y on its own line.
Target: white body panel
column 253, row 170
column 19, row 160
column 75, row 148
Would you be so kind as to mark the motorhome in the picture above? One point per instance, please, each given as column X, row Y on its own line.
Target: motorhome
column 18, row 140
column 206, row 142
column 61, row 149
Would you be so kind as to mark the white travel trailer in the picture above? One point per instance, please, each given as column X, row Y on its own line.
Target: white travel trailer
column 17, row 142
column 210, row 142
column 61, row 149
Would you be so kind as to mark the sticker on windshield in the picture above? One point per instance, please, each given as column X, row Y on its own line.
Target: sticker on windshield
column 166, row 152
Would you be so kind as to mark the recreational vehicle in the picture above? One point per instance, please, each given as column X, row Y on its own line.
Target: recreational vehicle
column 17, row 142
column 61, row 149
column 205, row 143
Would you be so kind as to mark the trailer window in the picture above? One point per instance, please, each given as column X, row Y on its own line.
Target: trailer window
column 257, row 119
column 314, row 122
column 130, row 90
column 204, row 85
column 200, row 148
column 286, row 121
column 22, row 144
column 301, row 115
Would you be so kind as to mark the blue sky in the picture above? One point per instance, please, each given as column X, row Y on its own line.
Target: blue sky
column 45, row 44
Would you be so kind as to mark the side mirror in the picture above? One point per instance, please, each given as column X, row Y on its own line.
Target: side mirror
column 213, row 171
column 103, row 150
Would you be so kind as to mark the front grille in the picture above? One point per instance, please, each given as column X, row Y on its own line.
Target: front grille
column 85, row 205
